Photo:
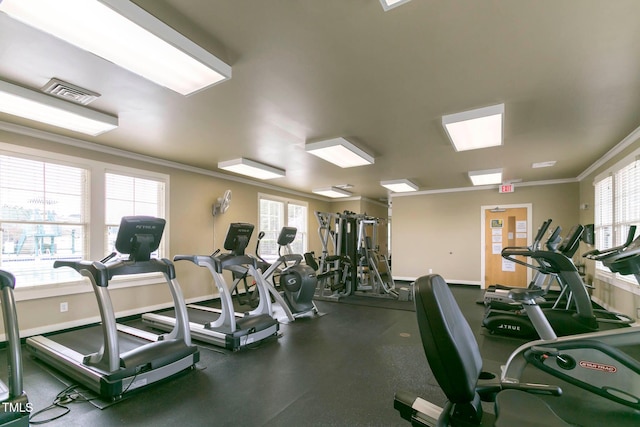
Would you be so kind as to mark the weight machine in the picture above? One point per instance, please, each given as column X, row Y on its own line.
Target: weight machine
column 350, row 262
column 333, row 268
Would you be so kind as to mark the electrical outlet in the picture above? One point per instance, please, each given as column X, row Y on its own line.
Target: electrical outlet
column 64, row 306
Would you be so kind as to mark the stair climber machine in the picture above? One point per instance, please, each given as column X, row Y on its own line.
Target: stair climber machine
column 14, row 403
column 603, row 363
column 526, row 322
column 223, row 327
column 297, row 281
column 111, row 359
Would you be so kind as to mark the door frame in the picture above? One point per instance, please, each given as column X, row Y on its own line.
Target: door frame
column 483, row 209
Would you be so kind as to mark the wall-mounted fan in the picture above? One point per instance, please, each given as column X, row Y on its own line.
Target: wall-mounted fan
column 222, row 204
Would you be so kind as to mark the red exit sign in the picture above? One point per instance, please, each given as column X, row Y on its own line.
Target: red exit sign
column 506, row 188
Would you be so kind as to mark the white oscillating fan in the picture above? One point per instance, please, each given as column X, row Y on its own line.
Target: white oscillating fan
column 222, row 204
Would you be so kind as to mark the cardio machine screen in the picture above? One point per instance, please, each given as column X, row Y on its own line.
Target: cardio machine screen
column 238, row 237
column 139, row 236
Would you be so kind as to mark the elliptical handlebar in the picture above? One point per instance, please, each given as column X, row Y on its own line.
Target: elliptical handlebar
column 257, row 251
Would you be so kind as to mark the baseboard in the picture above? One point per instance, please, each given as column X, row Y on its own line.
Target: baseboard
column 452, row 281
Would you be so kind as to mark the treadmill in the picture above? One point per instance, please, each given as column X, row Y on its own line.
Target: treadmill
column 222, row 327
column 14, row 404
column 111, row 359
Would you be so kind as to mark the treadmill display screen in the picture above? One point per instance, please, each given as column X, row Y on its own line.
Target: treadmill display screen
column 139, row 236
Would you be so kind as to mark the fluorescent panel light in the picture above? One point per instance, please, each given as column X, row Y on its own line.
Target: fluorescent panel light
column 543, row 164
column 474, row 129
column 399, row 185
column 340, row 152
column 18, row 101
column 390, row 4
column 125, row 34
column 486, row 177
column 250, row 168
column 333, row 192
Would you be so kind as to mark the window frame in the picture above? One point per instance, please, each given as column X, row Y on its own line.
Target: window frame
column 286, row 202
column 95, row 205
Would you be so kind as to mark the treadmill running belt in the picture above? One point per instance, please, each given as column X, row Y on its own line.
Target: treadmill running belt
column 88, row 340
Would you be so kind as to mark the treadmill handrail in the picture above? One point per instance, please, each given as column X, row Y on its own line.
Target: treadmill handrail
column 625, row 262
column 600, row 254
column 540, row 234
column 102, row 272
column 557, row 263
column 571, row 241
column 12, row 332
column 95, row 269
column 631, row 250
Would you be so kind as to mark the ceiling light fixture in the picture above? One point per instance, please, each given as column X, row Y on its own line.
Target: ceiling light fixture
column 399, row 185
column 22, row 102
column 125, row 34
column 390, row 4
column 480, row 128
column 543, row 164
column 486, row 177
column 333, row 192
column 340, row 152
column 251, row 168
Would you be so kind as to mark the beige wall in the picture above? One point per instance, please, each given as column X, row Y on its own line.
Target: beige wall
column 442, row 231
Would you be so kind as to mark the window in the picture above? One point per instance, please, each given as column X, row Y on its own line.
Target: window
column 617, row 204
column 275, row 213
column 42, row 218
column 54, row 206
column 129, row 195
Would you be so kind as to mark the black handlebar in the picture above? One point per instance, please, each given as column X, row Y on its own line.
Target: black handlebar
column 599, row 255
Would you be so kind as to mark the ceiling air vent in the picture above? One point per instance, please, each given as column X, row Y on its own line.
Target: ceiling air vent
column 70, row 92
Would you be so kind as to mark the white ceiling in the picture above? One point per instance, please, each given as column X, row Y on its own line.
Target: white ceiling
column 568, row 72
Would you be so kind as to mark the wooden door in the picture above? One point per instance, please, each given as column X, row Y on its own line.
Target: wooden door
column 504, row 227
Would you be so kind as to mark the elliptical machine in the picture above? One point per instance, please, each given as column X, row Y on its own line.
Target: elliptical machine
column 296, row 280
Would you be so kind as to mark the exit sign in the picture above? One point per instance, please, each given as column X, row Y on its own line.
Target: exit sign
column 506, row 188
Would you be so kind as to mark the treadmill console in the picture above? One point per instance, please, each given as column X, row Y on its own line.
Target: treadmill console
column 139, row 236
